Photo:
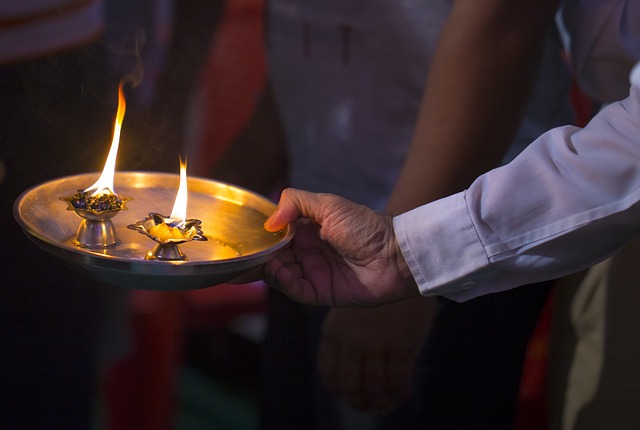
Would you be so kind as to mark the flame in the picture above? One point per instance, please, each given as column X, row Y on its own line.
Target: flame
column 179, row 212
column 104, row 184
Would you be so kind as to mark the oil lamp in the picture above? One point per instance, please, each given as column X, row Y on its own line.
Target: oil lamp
column 99, row 203
column 170, row 232
column 236, row 240
column 233, row 217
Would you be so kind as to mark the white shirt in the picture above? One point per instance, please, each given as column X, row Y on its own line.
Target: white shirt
column 604, row 43
column 570, row 200
column 348, row 78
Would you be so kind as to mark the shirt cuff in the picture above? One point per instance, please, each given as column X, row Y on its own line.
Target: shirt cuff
column 442, row 249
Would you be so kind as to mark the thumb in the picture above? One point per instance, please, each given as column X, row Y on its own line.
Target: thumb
column 293, row 204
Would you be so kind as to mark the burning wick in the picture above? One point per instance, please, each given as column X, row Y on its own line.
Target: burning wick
column 101, row 197
column 99, row 203
column 168, row 232
column 104, row 184
column 173, row 228
column 179, row 211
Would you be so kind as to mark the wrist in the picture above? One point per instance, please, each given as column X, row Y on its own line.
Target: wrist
column 402, row 267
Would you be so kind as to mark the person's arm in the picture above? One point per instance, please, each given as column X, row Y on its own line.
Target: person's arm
column 478, row 83
column 568, row 201
column 475, row 94
column 571, row 199
column 342, row 254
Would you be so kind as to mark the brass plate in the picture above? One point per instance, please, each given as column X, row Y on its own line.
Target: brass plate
column 232, row 220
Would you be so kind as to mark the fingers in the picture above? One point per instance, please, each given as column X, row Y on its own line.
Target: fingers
column 253, row 275
column 296, row 204
column 374, row 392
column 351, row 368
column 289, row 209
column 362, row 381
column 340, row 368
column 398, row 378
column 288, row 279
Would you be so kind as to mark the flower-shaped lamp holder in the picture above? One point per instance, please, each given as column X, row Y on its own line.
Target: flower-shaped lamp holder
column 96, row 229
column 168, row 239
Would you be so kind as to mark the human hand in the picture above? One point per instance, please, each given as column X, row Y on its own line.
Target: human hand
column 342, row 254
column 368, row 356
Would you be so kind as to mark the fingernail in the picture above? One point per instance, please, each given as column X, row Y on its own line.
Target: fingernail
column 268, row 224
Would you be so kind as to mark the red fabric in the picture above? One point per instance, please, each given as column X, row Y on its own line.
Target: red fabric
column 140, row 390
column 532, row 413
column 232, row 80
column 582, row 105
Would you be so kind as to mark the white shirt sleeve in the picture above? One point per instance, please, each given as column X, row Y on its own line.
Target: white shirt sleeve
column 571, row 199
column 604, row 44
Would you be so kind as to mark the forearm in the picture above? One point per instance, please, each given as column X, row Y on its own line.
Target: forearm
column 474, row 97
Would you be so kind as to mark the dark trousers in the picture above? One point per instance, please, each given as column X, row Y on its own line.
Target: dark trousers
column 467, row 376
column 469, row 371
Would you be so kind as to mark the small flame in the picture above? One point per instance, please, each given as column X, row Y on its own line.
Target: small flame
column 104, row 184
column 179, row 212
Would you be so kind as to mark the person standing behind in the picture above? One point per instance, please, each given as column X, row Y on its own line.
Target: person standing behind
column 595, row 371
column 348, row 83
column 60, row 65
column 57, row 110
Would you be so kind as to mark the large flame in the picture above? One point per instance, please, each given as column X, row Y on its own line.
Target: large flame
column 104, row 184
column 179, row 212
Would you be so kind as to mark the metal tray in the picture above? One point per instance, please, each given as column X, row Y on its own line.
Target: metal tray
column 232, row 220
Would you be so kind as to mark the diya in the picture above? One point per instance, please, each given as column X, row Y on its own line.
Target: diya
column 170, row 232
column 99, row 203
column 236, row 240
column 111, row 249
